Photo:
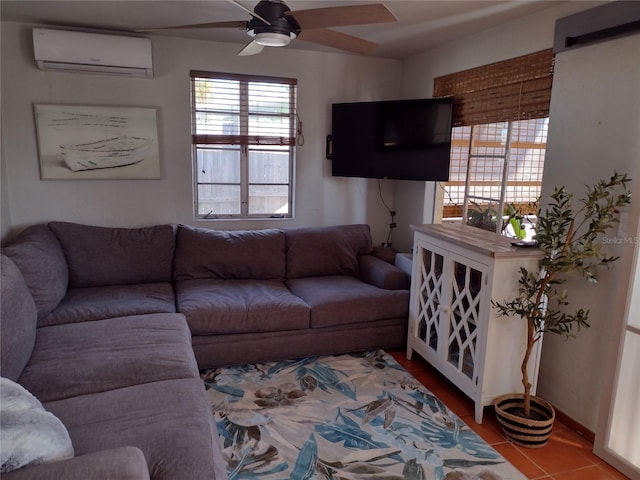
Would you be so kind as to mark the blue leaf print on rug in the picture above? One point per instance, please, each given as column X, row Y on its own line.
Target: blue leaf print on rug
column 305, row 466
column 347, row 432
column 326, row 378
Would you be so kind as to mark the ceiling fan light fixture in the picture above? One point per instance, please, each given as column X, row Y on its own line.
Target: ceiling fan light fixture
column 273, row 39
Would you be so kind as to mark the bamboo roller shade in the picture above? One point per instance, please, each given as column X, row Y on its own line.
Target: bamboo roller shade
column 511, row 90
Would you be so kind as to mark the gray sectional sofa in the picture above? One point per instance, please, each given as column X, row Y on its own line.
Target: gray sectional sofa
column 108, row 328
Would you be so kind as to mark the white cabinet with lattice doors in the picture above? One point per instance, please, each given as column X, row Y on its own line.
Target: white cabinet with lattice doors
column 457, row 271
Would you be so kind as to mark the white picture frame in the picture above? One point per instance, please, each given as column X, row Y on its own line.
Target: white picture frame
column 91, row 142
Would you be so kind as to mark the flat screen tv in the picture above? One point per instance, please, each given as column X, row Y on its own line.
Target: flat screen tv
column 399, row 139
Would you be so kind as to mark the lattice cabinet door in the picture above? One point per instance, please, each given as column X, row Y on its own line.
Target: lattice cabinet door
column 427, row 300
column 464, row 321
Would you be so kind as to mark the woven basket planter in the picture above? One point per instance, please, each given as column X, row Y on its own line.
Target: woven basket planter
column 522, row 431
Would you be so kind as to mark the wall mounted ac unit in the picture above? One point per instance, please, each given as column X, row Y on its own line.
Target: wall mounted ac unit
column 92, row 52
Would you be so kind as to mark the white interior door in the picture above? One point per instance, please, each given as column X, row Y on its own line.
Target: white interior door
column 618, row 435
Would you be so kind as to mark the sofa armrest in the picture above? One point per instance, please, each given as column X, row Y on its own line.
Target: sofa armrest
column 382, row 274
column 124, row 463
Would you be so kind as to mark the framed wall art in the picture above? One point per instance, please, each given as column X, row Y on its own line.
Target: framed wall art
column 78, row 142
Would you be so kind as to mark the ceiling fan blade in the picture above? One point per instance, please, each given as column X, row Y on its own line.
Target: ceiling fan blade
column 341, row 16
column 252, row 48
column 250, row 12
column 332, row 38
column 239, row 24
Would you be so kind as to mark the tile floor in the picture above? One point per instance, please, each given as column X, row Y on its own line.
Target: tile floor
column 567, row 456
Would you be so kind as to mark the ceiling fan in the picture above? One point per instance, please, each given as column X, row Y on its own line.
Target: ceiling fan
column 273, row 24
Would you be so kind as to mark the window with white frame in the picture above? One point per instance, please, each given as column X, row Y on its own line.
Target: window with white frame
column 243, row 135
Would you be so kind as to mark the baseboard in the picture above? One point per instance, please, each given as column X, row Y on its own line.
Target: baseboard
column 571, row 424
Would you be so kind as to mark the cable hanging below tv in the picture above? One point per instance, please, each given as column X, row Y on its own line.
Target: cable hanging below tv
column 397, row 139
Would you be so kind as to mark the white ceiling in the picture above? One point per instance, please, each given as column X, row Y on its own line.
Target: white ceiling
column 422, row 24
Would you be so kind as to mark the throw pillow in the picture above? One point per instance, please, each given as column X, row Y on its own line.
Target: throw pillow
column 29, row 435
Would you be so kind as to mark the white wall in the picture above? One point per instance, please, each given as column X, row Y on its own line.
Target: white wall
column 323, row 78
column 593, row 130
column 520, row 37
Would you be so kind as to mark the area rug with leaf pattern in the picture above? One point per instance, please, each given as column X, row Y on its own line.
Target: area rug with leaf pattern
column 357, row 416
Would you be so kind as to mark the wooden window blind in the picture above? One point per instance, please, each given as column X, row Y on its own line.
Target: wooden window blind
column 511, row 90
column 238, row 109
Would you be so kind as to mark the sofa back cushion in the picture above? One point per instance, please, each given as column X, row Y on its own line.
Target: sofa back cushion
column 217, row 254
column 326, row 250
column 99, row 256
column 39, row 256
column 19, row 318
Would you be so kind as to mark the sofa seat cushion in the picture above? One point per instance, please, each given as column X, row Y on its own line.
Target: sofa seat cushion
column 99, row 256
column 170, row 421
column 220, row 254
column 98, row 303
column 332, row 250
column 341, row 299
column 88, row 357
column 240, row 306
column 39, row 256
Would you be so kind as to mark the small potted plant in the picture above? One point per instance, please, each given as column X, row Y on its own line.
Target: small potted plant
column 482, row 218
column 486, row 219
column 570, row 242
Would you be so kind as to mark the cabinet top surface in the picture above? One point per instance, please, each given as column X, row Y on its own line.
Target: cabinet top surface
column 477, row 240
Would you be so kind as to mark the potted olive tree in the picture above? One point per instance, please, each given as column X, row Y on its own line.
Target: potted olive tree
column 571, row 243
